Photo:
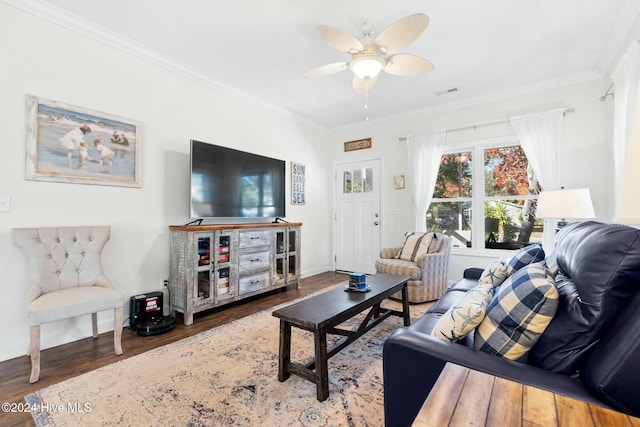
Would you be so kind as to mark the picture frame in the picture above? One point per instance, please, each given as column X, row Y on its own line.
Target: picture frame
column 398, row 182
column 298, row 183
column 71, row 144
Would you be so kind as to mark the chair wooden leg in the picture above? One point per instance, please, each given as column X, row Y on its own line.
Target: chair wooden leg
column 117, row 330
column 34, row 353
column 94, row 324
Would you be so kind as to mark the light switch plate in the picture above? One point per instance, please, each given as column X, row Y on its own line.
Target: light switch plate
column 5, row 203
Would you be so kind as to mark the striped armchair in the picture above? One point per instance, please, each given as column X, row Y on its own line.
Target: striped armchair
column 428, row 273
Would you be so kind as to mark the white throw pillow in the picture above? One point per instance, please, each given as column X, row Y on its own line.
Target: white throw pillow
column 416, row 245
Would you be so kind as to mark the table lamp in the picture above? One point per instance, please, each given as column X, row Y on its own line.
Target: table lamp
column 565, row 204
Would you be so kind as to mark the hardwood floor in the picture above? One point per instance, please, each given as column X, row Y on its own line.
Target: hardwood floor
column 70, row 360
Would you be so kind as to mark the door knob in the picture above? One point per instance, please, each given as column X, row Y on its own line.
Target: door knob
column 375, row 223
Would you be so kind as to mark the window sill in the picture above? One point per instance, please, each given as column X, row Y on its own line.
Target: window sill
column 483, row 252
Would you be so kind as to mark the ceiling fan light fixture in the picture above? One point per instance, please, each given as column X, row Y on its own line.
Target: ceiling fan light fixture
column 367, row 67
column 371, row 55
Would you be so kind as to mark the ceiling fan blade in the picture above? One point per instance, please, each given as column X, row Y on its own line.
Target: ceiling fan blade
column 325, row 70
column 363, row 85
column 404, row 64
column 339, row 39
column 399, row 34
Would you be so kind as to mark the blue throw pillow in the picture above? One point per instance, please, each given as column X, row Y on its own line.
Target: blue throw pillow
column 527, row 255
column 519, row 313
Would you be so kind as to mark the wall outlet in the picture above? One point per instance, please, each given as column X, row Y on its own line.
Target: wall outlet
column 5, row 203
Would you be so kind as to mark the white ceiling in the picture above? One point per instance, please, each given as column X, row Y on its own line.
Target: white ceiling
column 260, row 49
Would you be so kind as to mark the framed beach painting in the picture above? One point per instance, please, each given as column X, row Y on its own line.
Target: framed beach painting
column 66, row 143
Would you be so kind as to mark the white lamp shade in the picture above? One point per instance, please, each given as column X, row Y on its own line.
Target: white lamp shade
column 565, row 204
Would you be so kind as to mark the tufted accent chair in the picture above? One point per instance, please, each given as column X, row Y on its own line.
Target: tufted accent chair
column 428, row 274
column 65, row 280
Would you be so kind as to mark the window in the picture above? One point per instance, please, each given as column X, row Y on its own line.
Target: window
column 486, row 193
column 357, row 181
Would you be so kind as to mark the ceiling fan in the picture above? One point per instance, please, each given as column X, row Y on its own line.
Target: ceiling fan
column 371, row 55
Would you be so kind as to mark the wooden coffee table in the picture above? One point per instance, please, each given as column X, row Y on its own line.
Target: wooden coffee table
column 463, row 396
column 321, row 314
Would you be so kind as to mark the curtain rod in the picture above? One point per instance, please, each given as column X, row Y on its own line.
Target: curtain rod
column 608, row 93
column 474, row 127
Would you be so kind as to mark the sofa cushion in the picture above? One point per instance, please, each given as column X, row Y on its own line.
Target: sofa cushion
column 453, row 295
column 519, row 313
column 450, row 297
column 463, row 285
column 462, row 318
column 416, row 245
column 598, row 272
column 399, row 267
column 525, row 256
column 427, row 322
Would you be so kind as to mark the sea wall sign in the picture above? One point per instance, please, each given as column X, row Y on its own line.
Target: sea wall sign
column 297, row 183
column 358, row 144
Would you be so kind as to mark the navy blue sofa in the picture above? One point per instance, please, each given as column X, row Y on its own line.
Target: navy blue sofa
column 589, row 351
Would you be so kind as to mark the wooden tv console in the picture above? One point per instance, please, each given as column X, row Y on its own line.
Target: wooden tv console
column 214, row 265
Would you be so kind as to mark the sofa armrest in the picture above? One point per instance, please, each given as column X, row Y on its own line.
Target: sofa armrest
column 433, row 259
column 412, row 362
column 388, row 253
column 472, row 273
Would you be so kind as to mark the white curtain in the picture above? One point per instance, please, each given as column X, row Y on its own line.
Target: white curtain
column 540, row 136
column 425, row 153
column 626, row 78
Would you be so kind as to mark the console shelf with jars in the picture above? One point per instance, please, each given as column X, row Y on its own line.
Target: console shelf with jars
column 214, row 265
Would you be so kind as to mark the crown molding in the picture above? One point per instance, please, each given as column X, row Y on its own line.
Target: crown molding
column 478, row 100
column 617, row 43
column 49, row 12
column 105, row 36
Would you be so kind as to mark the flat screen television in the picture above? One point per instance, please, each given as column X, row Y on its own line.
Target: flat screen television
column 233, row 184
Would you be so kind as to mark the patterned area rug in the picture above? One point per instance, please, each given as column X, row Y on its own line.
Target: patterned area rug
column 226, row 377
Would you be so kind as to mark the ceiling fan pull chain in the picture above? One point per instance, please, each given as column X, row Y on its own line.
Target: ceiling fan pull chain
column 366, row 103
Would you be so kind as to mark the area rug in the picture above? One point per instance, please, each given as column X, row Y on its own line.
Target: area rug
column 226, row 376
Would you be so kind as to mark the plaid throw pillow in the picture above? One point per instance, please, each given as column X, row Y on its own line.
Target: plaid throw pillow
column 463, row 317
column 416, row 245
column 527, row 255
column 519, row 313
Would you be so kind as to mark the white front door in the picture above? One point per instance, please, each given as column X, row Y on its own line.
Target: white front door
column 358, row 216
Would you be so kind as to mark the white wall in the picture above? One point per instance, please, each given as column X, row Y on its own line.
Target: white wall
column 586, row 151
column 46, row 60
